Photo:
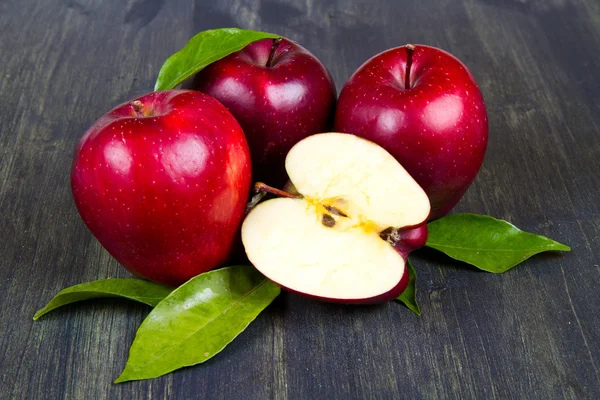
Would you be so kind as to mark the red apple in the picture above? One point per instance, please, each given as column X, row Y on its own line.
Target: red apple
column 423, row 106
column 279, row 92
column 162, row 182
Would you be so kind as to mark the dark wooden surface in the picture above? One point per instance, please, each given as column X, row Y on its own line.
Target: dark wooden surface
column 530, row 333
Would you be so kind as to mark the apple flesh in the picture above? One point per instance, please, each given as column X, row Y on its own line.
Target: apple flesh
column 279, row 92
column 162, row 182
column 423, row 106
column 335, row 239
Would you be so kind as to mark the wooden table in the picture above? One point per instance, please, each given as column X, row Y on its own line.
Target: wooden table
column 533, row 332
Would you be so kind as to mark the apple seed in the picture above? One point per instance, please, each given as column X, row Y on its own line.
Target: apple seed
column 335, row 211
column 328, row 221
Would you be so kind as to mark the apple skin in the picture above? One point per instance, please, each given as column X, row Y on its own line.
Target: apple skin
column 411, row 239
column 163, row 186
column 279, row 92
column 436, row 127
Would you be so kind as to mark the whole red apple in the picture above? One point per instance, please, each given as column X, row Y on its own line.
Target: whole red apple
column 279, row 92
column 423, row 106
column 162, row 182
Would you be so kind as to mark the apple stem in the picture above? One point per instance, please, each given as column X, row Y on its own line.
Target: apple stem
column 263, row 187
column 390, row 235
column 274, row 46
column 254, row 201
column 409, row 50
column 138, row 107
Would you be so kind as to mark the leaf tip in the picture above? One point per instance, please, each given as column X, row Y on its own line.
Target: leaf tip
column 416, row 309
column 121, row 378
column 563, row 247
column 412, row 307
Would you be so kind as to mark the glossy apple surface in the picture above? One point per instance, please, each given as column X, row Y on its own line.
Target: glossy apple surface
column 162, row 182
column 423, row 106
column 279, row 92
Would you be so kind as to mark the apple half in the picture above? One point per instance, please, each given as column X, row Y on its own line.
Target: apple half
column 337, row 239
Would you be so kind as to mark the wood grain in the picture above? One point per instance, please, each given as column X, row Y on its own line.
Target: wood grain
column 530, row 333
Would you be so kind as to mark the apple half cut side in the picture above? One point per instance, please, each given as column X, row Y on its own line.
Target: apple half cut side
column 335, row 240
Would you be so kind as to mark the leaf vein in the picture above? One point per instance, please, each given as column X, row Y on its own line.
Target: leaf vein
column 491, row 250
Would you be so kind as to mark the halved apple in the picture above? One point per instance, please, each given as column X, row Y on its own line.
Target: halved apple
column 335, row 240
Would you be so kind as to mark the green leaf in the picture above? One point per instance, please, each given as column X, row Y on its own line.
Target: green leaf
column 133, row 289
column 197, row 320
column 202, row 50
column 409, row 296
column 489, row 244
